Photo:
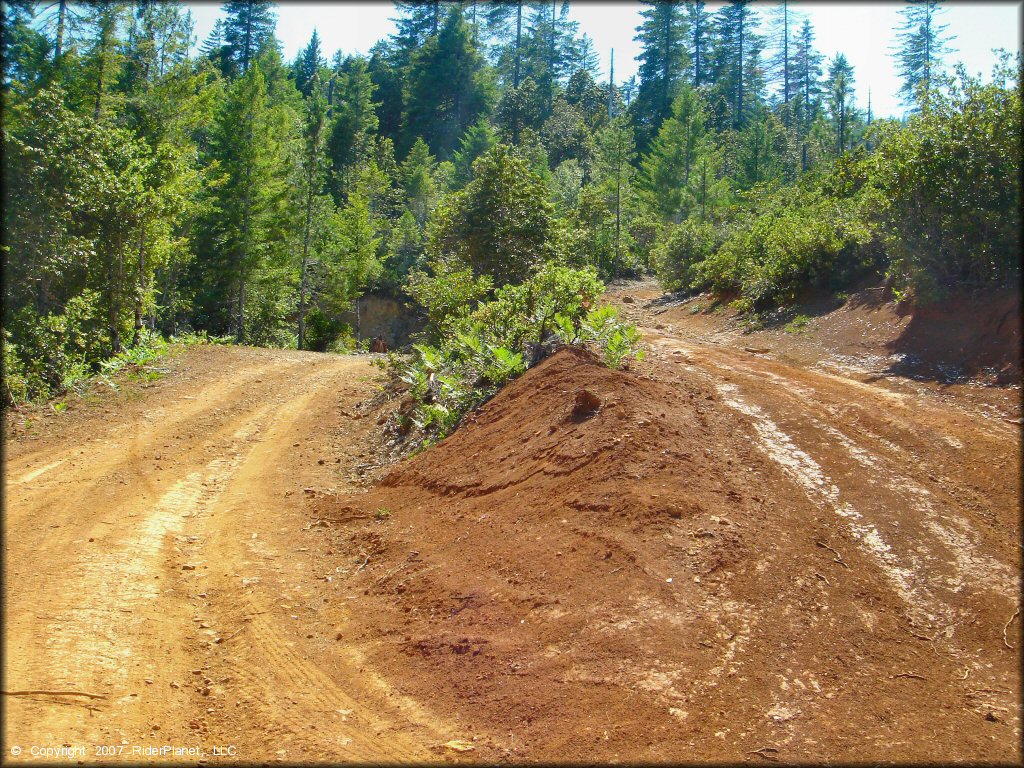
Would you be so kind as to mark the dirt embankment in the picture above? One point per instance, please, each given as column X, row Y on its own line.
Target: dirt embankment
column 701, row 568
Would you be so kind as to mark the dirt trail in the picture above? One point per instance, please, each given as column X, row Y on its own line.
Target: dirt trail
column 158, row 559
column 738, row 557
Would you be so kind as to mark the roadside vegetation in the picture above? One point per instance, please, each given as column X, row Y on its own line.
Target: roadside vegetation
column 476, row 165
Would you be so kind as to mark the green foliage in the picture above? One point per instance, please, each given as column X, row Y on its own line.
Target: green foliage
column 500, row 224
column 949, row 187
column 677, row 256
column 447, row 294
column 483, row 347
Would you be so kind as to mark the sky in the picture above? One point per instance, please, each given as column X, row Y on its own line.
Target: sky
column 865, row 32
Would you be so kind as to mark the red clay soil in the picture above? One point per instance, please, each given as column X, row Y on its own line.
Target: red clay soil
column 696, row 561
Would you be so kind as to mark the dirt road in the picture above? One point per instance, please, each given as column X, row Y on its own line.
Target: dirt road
column 845, row 590
column 158, row 559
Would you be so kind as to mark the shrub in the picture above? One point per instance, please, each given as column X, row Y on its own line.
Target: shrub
column 483, row 348
column 950, row 184
column 677, row 256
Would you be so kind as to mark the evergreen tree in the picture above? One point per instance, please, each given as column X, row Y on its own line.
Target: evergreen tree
column 839, row 87
column 448, row 88
column 417, row 21
column 807, row 68
column 663, row 66
column 615, row 159
column 248, row 25
column 24, row 52
column 922, row 44
column 666, row 170
column 699, row 39
column 760, row 151
column 212, row 46
column 355, row 264
column 586, row 57
column 248, row 149
column 102, row 21
column 550, row 48
column 405, row 249
column 308, row 65
column 313, row 178
column 736, row 62
column 503, row 23
column 354, row 125
column 708, row 188
column 781, row 33
column 388, row 83
column 417, row 176
column 475, row 142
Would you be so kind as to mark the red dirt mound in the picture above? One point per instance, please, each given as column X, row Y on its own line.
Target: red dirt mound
column 603, row 565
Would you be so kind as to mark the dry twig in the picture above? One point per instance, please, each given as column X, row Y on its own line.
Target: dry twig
column 1006, row 626
column 763, row 753
column 838, row 558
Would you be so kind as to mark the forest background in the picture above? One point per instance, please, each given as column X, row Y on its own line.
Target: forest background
column 476, row 163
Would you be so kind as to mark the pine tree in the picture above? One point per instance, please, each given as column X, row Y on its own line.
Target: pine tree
column 550, row 48
column 248, row 149
column 355, row 265
column 586, row 57
column 760, row 150
column 736, row 53
column 807, row 68
column 839, row 87
column 448, row 88
column 417, row 21
column 248, row 25
column 313, row 177
column 503, row 24
column 666, row 170
column 922, row 44
column 389, row 82
column 699, row 38
column 474, row 143
column 781, row 33
column 663, row 66
column 105, row 58
column 355, row 122
column 615, row 159
column 417, row 177
column 708, row 188
column 308, row 65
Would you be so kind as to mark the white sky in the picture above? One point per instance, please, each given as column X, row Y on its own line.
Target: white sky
column 865, row 32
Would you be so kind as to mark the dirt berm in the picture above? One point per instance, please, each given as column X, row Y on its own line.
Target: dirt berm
column 628, row 574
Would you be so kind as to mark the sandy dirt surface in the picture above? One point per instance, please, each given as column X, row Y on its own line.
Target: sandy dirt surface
column 158, row 557
column 722, row 555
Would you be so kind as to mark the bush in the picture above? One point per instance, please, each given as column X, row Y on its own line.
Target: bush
column 950, row 187
column 483, row 348
column 677, row 256
column 447, row 294
column 57, row 351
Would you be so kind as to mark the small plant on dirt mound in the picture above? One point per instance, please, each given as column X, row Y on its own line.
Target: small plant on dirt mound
column 476, row 351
